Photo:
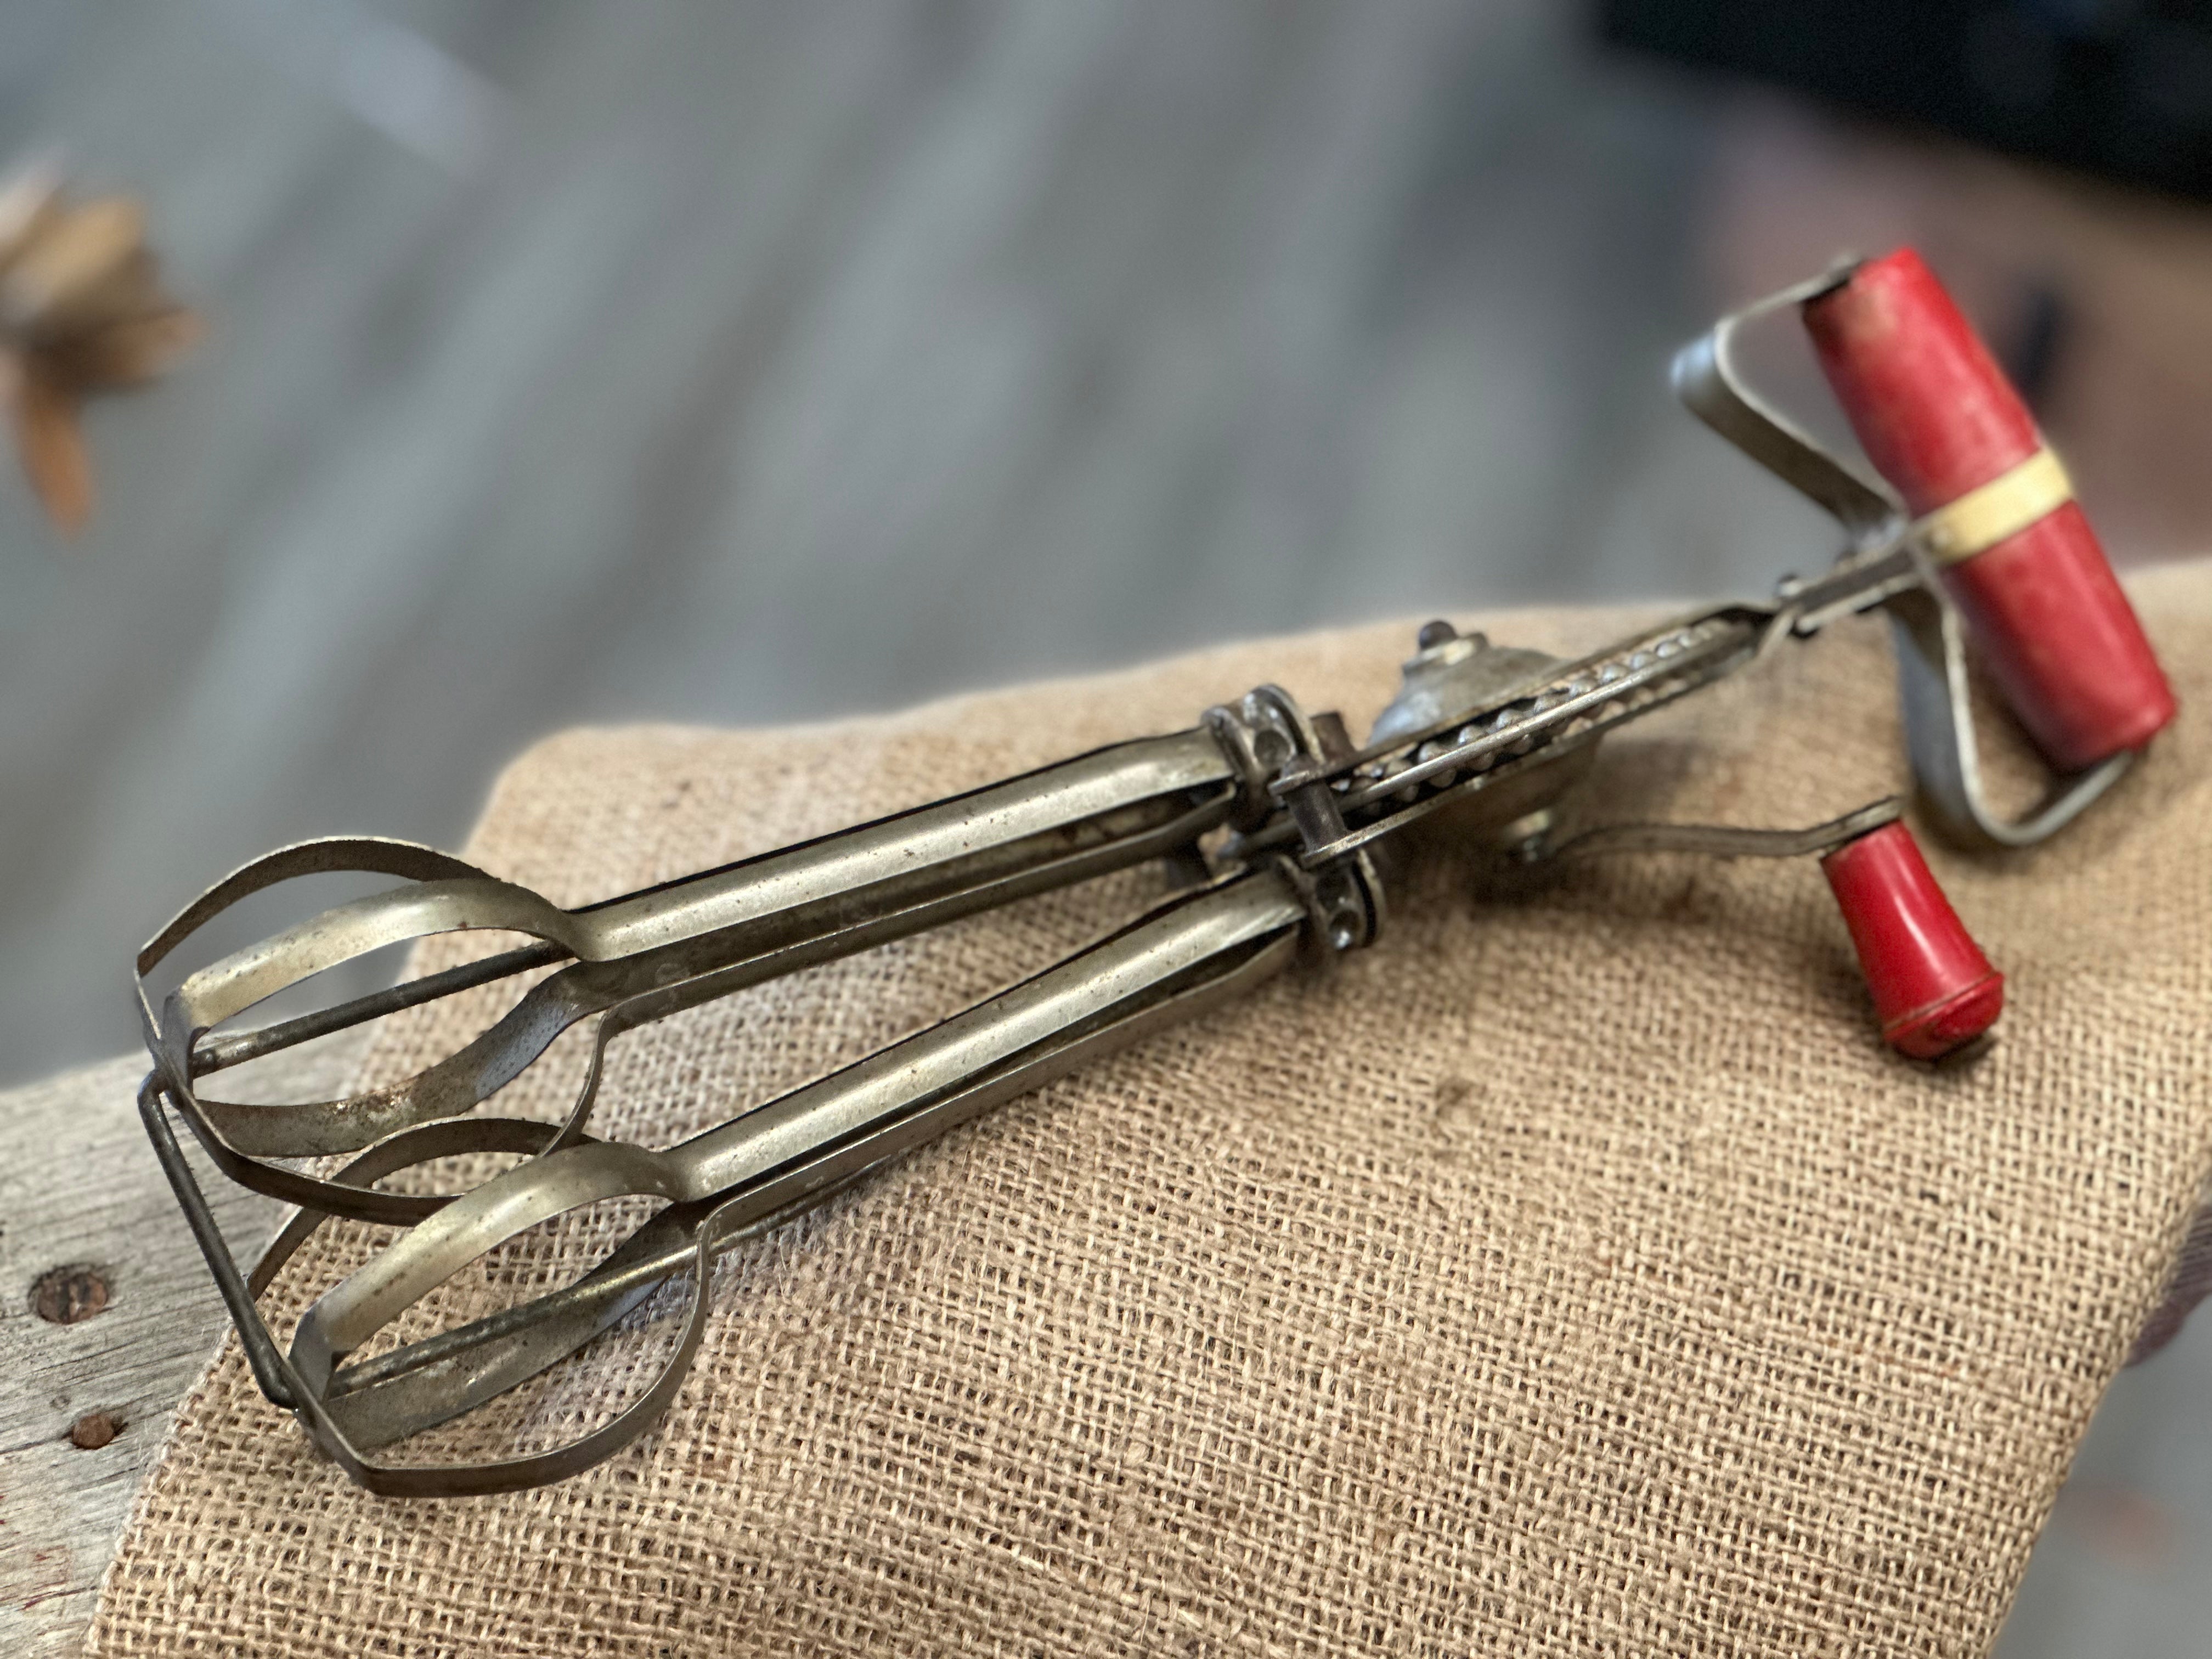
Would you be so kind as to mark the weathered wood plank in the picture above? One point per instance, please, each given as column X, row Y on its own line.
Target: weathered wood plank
column 80, row 1189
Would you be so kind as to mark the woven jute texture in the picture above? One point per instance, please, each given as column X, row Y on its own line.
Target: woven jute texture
column 1573, row 1273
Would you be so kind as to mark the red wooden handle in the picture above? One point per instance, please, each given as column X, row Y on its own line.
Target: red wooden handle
column 1933, row 988
column 1938, row 419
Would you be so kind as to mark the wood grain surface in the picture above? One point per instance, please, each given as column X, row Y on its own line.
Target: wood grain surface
column 83, row 1205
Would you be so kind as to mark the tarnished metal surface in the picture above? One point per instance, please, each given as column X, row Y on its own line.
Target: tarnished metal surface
column 1712, row 387
column 643, row 957
column 1284, row 815
column 1939, row 725
column 1718, row 841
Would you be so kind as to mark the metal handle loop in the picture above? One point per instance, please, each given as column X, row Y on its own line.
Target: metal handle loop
column 1885, row 566
column 1706, row 379
column 1939, row 731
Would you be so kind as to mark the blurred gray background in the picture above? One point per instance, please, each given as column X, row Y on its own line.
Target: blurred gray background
column 740, row 363
column 756, row 362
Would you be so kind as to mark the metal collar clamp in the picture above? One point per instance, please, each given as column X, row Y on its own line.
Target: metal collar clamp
column 1290, row 765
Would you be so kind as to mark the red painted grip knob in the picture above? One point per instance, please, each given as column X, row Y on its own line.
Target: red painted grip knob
column 1932, row 986
column 1938, row 418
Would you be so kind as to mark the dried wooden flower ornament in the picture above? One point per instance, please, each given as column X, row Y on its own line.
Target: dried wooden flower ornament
column 81, row 311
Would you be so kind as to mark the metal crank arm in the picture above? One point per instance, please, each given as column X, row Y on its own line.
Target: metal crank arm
column 1726, row 840
column 1187, row 957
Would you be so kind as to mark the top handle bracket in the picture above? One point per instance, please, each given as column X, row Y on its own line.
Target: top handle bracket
column 1884, row 564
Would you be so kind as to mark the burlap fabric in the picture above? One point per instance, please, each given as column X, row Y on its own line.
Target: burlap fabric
column 1573, row 1273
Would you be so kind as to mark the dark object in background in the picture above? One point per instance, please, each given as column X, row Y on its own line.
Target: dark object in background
column 2122, row 88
